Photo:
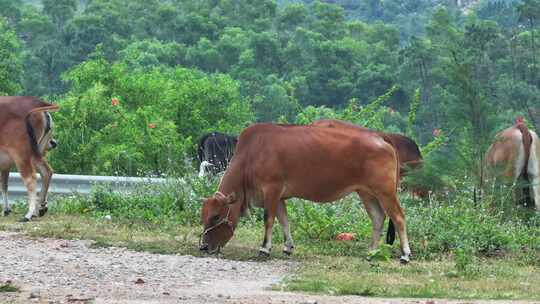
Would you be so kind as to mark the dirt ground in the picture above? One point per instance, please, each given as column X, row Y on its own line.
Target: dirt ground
column 61, row 271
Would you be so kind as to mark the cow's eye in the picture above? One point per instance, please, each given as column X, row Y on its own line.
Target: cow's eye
column 214, row 219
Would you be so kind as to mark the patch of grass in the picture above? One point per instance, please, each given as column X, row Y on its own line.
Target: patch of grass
column 460, row 250
column 167, row 238
column 8, row 287
column 496, row 279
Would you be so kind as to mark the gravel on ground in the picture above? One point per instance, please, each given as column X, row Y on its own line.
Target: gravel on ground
column 72, row 271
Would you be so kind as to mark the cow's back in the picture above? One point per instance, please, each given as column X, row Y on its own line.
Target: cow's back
column 408, row 151
column 19, row 106
column 319, row 164
column 14, row 111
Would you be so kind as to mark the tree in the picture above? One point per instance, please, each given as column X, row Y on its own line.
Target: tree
column 60, row 11
column 529, row 14
column 10, row 10
column 10, row 61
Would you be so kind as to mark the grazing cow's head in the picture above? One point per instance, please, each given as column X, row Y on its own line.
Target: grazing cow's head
column 215, row 217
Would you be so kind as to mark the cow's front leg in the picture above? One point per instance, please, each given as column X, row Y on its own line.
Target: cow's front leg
column 4, row 176
column 284, row 221
column 271, row 202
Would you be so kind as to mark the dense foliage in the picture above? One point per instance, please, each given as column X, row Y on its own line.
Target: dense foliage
column 186, row 67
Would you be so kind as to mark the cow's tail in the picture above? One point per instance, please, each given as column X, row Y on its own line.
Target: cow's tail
column 391, row 231
column 41, row 106
column 527, row 143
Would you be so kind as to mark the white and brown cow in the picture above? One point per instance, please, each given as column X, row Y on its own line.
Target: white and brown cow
column 25, row 138
column 516, row 151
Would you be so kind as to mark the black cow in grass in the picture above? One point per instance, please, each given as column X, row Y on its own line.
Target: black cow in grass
column 214, row 152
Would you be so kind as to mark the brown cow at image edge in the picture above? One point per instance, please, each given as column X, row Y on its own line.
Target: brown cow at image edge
column 25, row 137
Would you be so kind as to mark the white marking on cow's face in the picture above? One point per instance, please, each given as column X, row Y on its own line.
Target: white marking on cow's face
column 202, row 168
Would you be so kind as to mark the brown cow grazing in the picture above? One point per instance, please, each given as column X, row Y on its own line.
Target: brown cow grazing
column 25, row 136
column 273, row 163
column 517, row 151
column 409, row 155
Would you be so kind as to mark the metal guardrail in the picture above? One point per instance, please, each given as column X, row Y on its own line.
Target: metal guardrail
column 63, row 184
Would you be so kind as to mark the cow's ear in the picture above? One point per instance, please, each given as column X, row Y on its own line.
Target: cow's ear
column 231, row 198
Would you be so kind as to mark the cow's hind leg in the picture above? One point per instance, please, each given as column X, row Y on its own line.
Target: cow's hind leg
column 376, row 213
column 284, row 221
column 391, row 205
column 4, row 177
column 271, row 202
column 46, row 173
column 26, row 170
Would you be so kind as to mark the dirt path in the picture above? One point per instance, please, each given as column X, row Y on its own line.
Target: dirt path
column 59, row 271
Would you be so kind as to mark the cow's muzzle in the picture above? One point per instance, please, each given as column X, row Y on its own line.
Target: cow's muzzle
column 203, row 247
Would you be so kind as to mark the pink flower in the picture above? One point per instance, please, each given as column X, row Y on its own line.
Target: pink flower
column 115, row 102
column 520, row 120
column 152, row 126
column 436, row 132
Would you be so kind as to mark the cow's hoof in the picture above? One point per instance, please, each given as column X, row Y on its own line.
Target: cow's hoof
column 43, row 211
column 404, row 259
column 24, row 220
column 6, row 212
column 288, row 250
column 263, row 252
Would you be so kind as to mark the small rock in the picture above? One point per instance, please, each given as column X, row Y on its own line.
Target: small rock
column 139, row 281
column 166, row 293
column 34, row 294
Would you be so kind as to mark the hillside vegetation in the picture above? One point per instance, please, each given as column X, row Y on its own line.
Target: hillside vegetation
column 189, row 67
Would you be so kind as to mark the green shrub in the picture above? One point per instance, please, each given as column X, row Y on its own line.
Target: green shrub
column 177, row 200
column 141, row 122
